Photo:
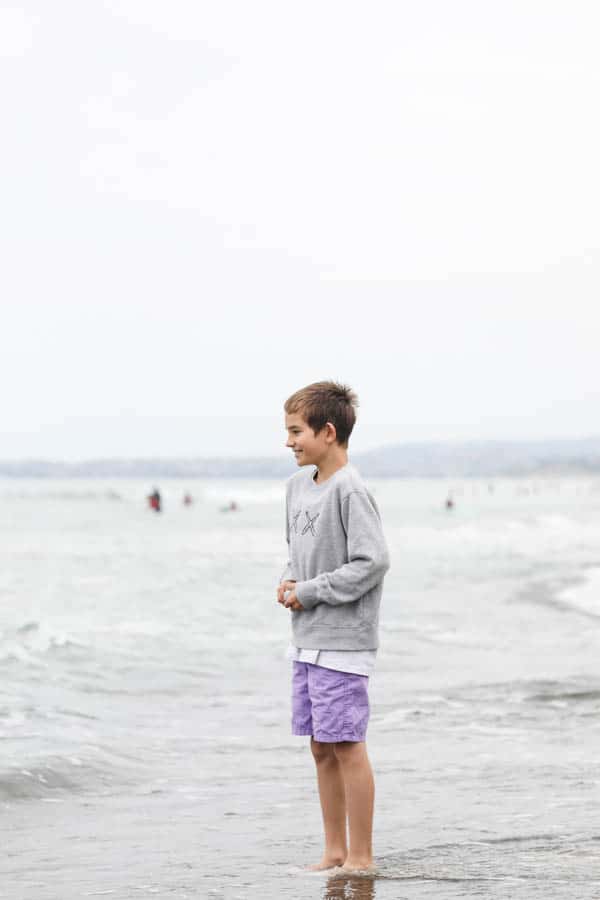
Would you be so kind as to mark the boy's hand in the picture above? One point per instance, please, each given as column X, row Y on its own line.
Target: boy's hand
column 291, row 601
column 283, row 588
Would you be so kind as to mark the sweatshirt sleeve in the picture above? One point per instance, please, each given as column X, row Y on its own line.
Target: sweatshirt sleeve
column 368, row 558
column 287, row 575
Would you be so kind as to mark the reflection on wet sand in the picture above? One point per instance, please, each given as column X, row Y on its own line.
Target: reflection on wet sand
column 350, row 887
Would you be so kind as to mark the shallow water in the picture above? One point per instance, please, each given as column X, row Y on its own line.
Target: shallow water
column 144, row 707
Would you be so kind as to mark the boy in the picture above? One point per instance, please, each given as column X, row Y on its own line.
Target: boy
column 332, row 585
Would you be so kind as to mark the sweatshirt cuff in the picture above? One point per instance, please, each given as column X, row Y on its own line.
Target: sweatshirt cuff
column 306, row 592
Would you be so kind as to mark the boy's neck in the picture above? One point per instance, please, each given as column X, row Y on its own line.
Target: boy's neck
column 330, row 465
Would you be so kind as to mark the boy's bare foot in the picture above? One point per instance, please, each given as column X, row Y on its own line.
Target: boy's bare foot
column 359, row 867
column 328, row 862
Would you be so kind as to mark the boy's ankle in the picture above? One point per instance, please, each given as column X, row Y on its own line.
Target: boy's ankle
column 358, row 863
column 330, row 860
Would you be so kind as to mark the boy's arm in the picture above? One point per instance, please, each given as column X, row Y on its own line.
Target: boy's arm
column 287, row 581
column 368, row 558
column 287, row 574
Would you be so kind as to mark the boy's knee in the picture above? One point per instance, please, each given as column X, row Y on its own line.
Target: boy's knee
column 348, row 751
column 321, row 752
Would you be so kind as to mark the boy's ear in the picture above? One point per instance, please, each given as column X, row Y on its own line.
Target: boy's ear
column 331, row 431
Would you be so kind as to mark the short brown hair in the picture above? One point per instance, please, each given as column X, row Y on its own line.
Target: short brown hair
column 323, row 402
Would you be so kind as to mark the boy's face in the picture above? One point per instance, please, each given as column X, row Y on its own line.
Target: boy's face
column 309, row 448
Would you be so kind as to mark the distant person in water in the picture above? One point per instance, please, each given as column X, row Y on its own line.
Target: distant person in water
column 449, row 502
column 187, row 499
column 154, row 500
column 231, row 507
column 333, row 585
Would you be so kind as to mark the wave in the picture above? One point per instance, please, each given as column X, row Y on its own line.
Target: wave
column 62, row 495
column 30, row 642
column 511, row 858
column 578, row 594
column 244, row 493
column 38, row 781
column 96, row 768
column 531, row 535
column 493, row 708
column 584, row 596
column 574, row 691
column 531, row 691
column 207, row 494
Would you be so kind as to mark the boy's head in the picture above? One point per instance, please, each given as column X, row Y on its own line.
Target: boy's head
column 319, row 418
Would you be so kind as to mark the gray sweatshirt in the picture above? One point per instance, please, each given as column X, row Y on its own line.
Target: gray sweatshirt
column 338, row 557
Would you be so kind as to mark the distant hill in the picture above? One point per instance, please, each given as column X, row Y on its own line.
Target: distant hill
column 484, row 458
column 424, row 459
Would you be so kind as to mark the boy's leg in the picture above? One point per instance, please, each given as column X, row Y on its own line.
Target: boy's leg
column 360, row 797
column 340, row 714
column 329, row 778
column 332, row 795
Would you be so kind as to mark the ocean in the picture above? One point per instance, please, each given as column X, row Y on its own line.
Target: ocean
column 145, row 745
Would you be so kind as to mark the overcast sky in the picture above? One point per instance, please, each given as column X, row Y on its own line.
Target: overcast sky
column 207, row 205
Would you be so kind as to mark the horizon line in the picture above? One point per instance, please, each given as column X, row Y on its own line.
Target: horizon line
column 280, row 457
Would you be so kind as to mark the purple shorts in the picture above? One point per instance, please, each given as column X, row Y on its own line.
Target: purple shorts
column 331, row 706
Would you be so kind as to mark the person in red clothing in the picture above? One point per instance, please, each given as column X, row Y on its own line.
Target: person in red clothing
column 154, row 500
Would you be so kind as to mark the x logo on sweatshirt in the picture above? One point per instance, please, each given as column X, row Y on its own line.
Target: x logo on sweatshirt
column 310, row 524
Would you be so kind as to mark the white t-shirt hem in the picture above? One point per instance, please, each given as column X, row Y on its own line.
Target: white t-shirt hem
column 355, row 662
